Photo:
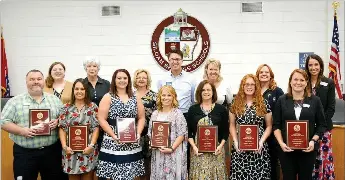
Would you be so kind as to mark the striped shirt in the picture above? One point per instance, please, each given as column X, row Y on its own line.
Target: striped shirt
column 16, row 111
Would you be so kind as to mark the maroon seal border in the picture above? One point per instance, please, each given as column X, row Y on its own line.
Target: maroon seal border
column 198, row 61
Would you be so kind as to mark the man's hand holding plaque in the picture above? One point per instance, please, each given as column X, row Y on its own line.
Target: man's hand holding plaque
column 297, row 134
column 160, row 135
column 207, row 138
column 248, row 137
column 39, row 120
column 126, row 130
column 78, row 138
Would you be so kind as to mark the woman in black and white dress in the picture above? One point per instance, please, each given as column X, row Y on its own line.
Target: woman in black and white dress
column 120, row 160
column 250, row 108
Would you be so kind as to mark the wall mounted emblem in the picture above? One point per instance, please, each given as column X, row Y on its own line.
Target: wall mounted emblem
column 183, row 32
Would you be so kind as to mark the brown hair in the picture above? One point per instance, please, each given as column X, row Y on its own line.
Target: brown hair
column 49, row 80
column 172, row 91
column 175, row 51
column 320, row 75
column 87, row 99
column 307, row 92
column 113, row 88
column 198, row 92
column 240, row 99
column 272, row 85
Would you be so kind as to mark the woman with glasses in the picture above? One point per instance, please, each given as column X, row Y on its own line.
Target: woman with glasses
column 250, row 108
column 142, row 84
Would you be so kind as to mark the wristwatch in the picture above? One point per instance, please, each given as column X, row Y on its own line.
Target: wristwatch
column 315, row 141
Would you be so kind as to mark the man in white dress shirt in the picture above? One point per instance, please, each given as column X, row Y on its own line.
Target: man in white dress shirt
column 183, row 83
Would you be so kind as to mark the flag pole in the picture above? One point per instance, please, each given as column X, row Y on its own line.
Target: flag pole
column 335, row 6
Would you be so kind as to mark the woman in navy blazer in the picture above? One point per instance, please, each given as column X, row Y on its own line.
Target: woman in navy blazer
column 298, row 104
column 324, row 88
column 271, row 92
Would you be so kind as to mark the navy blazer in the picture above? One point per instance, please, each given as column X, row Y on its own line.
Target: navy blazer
column 326, row 92
column 272, row 96
column 284, row 110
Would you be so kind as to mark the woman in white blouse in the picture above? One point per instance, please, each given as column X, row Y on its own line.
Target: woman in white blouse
column 212, row 74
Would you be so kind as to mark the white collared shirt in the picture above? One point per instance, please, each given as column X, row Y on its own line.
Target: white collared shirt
column 184, row 85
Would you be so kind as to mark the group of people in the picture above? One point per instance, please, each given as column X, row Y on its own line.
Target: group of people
column 186, row 104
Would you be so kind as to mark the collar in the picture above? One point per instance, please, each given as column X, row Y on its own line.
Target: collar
column 28, row 96
column 182, row 73
column 99, row 80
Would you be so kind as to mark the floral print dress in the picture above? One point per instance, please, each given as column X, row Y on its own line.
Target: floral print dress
column 149, row 102
column 207, row 166
column 78, row 163
column 170, row 166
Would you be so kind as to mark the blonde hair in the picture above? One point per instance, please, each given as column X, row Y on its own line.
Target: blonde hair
column 240, row 99
column 215, row 62
column 149, row 80
column 172, row 91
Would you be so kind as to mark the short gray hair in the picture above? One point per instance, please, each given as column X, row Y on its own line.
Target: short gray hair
column 92, row 59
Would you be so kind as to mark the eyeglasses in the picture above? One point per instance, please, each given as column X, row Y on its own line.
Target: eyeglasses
column 249, row 85
column 175, row 59
column 141, row 78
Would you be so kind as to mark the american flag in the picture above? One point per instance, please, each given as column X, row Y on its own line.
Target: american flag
column 5, row 83
column 334, row 62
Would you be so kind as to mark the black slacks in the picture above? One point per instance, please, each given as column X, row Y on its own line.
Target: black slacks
column 46, row 161
column 297, row 163
column 273, row 151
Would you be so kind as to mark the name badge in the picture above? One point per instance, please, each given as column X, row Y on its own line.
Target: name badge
column 168, row 83
column 306, row 105
column 323, row 83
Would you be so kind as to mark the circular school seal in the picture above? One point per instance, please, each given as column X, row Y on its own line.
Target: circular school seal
column 160, row 128
column 207, row 132
column 296, row 128
column 248, row 131
column 39, row 115
column 77, row 132
column 182, row 32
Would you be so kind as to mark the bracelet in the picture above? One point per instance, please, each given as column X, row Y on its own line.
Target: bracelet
column 172, row 149
column 92, row 145
column 65, row 148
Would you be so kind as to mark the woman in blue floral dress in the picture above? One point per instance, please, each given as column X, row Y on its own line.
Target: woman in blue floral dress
column 81, row 111
column 142, row 84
